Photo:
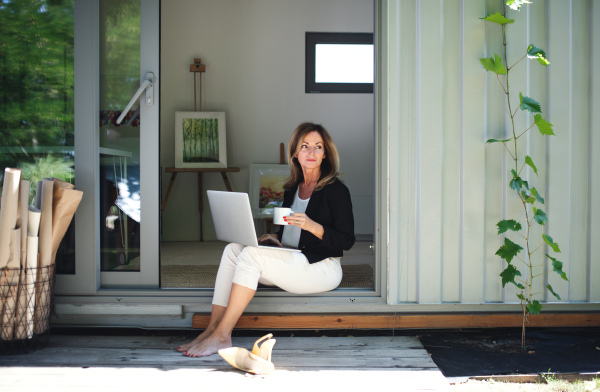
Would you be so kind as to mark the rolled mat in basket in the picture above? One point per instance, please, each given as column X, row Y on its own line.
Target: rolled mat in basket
column 22, row 217
column 45, row 251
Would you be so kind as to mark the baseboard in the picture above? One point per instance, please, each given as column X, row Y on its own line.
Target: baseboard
column 405, row 321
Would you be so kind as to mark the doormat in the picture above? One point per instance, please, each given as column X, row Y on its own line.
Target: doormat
column 204, row 276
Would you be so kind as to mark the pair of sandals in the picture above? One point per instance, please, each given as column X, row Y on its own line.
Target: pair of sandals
column 256, row 362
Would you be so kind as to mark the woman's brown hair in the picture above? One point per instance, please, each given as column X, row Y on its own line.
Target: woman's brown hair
column 329, row 166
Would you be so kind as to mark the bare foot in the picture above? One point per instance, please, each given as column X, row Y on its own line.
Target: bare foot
column 194, row 342
column 209, row 346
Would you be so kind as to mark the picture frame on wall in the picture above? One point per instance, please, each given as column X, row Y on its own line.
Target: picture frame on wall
column 266, row 188
column 200, row 140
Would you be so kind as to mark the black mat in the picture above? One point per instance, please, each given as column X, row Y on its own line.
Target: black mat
column 498, row 351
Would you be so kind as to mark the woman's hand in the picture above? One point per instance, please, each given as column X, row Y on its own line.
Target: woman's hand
column 272, row 238
column 305, row 223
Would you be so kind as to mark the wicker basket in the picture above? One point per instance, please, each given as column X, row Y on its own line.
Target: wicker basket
column 25, row 308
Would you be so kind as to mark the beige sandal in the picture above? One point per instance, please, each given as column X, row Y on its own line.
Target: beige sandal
column 256, row 362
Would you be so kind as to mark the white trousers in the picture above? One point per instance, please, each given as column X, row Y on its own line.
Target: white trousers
column 290, row 271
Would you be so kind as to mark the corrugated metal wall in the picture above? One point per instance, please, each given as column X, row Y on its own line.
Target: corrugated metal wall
column 447, row 188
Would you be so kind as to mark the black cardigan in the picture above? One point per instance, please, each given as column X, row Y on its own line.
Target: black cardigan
column 332, row 208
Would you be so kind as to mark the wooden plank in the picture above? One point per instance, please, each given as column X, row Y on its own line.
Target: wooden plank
column 204, row 169
column 404, row 321
column 283, row 342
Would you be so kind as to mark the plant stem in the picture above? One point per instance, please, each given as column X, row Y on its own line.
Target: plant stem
column 537, row 249
column 525, row 131
column 517, row 62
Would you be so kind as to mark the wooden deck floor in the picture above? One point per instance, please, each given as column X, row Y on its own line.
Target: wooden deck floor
column 310, row 364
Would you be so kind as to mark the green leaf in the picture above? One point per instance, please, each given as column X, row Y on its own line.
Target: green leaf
column 505, row 225
column 553, row 292
column 530, row 200
column 557, row 267
column 529, row 161
column 493, row 65
column 509, row 250
column 516, row 4
column 539, row 216
column 520, row 296
column 498, row 18
column 549, row 241
column 535, row 307
column 535, row 193
column 544, row 126
column 534, row 52
column 508, row 275
column 527, row 103
column 498, row 141
column 526, row 184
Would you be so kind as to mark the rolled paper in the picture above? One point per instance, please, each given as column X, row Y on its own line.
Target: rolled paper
column 9, row 295
column 64, row 204
column 45, row 251
column 45, row 244
column 23, row 219
column 38, row 195
column 32, row 260
column 33, row 222
column 8, row 212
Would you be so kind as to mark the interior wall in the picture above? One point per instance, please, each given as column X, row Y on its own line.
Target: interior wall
column 254, row 56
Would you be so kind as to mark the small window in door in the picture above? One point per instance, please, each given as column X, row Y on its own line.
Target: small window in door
column 339, row 62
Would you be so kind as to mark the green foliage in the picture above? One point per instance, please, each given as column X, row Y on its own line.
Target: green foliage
column 509, row 274
column 549, row 241
column 557, row 267
column 527, row 103
column 498, row 141
column 529, row 162
column 539, row 216
column 45, row 167
column 517, row 4
column 493, row 64
column 553, row 292
column 544, row 126
column 509, row 250
column 498, row 18
column 528, row 196
column 505, row 225
column 534, row 307
column 534, row 52
column 537, row 195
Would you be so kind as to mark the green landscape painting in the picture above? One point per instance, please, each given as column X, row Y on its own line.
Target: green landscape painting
column 200, row 140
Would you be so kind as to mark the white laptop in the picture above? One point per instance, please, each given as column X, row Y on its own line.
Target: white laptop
column 233, row 220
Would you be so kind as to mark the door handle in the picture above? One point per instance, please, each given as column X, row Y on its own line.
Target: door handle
column 148, row 86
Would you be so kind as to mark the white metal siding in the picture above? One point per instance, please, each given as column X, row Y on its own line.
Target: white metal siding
column 447, row 189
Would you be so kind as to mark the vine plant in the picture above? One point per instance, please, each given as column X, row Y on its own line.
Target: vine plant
column 530, row 197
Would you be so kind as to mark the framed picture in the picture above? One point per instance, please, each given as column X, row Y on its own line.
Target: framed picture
column 266, row 188
column 200, row 140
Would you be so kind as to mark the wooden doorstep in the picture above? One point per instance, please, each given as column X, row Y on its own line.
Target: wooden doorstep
column 404, row 321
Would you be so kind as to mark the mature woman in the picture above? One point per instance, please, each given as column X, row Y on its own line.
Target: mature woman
column 322, row 226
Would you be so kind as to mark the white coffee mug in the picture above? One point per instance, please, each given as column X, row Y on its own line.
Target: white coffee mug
column 279, row 213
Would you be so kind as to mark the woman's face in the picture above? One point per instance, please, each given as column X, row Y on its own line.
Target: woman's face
column 312, row 151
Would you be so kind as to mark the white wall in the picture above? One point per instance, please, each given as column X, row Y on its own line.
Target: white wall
column 254, row 56
column 449, row 187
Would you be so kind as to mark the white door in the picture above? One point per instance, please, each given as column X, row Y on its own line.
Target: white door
column 116, row 162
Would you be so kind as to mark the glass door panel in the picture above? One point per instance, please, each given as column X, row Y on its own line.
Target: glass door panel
column 128, row 189
column 36, row 102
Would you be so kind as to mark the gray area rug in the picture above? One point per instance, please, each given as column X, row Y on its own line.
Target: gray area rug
column 204, row 276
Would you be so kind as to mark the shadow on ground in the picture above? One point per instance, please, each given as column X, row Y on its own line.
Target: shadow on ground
column 464, row 353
